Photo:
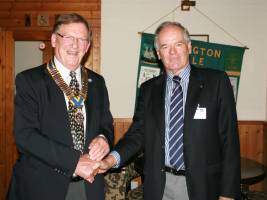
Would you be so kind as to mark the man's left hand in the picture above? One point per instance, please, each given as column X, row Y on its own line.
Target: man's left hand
column 98, row 148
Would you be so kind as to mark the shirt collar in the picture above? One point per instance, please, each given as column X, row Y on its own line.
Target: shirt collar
column 184, row 74
column 65, row 72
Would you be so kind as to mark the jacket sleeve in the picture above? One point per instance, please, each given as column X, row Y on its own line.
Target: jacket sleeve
column 106, row 124
column 228, row 132
column 133, row 140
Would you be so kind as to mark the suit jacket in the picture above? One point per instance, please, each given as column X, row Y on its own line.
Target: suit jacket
column 47, row 158
column 211, row 145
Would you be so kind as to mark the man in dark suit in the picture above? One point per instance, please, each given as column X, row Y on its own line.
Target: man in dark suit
column 63, row 125
column 186, row 122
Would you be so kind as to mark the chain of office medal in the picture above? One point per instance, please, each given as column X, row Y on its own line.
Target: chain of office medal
column 75, row 100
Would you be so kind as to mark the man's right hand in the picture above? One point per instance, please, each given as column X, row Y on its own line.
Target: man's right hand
column 87, row 168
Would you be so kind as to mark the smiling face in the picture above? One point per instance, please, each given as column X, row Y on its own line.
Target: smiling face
column 70, row 43
column 173, row 49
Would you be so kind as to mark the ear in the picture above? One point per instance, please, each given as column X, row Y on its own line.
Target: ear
column 189, row 46
column 158, row 54
column 53, row 40
column 88, row 46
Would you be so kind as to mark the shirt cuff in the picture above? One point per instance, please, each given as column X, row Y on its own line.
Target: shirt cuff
column 103, row 136
column 117, row 158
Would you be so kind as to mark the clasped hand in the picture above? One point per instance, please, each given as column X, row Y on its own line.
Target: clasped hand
column 89, row 164
column 88, row 169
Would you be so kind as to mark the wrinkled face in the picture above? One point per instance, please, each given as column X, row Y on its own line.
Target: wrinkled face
column 173, row 49
column 70, row 43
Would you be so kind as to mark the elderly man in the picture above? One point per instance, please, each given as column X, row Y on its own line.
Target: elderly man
column 186, row 122
column 62, row 122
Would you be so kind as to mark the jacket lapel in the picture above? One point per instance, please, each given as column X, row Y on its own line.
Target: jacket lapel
column 195, row 87
column 89, row 111
column 158, row 103
column 58, row 105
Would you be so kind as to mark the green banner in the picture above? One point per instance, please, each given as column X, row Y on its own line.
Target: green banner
column 149, row 65
column 204, row 54
column 217, row 56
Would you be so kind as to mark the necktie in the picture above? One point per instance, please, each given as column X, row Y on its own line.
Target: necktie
column 76, row 116
column 176, row 125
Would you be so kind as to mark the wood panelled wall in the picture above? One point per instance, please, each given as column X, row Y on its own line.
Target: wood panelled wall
column 253, row 142
column 253, row 145
column 21, row 17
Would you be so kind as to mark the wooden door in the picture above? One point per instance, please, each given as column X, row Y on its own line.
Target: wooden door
column 7, row 146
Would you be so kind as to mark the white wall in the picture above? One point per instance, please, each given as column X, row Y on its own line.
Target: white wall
column 27, row 55
column 243, row 19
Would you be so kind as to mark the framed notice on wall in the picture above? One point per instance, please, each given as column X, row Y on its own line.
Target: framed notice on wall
column 200, row 37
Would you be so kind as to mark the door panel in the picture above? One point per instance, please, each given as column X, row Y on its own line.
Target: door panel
column 8, row 153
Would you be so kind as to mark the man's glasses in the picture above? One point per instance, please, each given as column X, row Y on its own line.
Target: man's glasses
column 67, row 39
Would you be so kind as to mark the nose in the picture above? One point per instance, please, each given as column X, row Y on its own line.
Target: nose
column 172, row 49
column 75, row 42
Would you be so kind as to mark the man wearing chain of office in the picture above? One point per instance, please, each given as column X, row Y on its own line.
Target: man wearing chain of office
column 63, row 124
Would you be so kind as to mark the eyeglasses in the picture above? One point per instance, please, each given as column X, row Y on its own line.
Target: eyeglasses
column 67, row 39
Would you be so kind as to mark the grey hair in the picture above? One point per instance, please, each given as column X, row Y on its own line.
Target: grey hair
column 72, row 18
column 174, row 24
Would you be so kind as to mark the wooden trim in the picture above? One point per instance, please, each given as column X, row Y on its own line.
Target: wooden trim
column 129, row 120
column 32, row 35
column 245, row 122
column 7, row 146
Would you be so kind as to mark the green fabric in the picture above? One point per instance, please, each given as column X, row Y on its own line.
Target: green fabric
column 216, row 56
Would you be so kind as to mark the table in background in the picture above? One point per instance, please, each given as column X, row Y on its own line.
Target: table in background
column 251, row 172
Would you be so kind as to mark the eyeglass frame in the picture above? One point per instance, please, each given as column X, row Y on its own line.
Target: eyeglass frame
column 68, row 39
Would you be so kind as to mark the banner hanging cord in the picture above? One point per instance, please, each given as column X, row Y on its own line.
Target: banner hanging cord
column 160, row 19
column 203, row 14
column 226, row 32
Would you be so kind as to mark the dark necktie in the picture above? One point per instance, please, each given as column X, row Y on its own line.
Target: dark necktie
column 76, row 116
column 176, row 125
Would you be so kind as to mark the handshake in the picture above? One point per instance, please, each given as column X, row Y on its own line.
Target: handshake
column 95, row 162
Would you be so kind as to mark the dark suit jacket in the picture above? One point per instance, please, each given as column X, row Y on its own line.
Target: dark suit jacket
column 47, row 159
column 211, row 145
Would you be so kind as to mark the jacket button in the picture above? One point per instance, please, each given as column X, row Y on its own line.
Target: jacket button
column 162, row 170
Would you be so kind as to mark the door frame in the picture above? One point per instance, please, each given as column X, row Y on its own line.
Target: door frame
column 8, row 151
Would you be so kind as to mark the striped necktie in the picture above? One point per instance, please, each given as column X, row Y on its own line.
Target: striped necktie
column 176, row 125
